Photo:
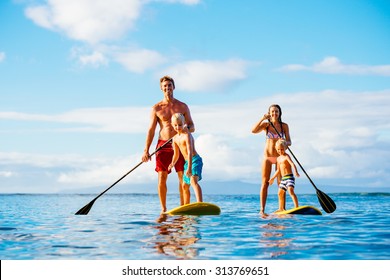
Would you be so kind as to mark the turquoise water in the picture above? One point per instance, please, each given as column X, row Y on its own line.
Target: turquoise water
column 129, row 227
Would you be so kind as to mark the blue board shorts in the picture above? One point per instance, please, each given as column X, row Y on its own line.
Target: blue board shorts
column 287, row 181
column 197, row 165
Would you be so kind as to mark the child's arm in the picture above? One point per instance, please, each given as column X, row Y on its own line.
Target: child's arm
column 293, row 166
column 271, row 180
column 190, row 149
column 175, row 156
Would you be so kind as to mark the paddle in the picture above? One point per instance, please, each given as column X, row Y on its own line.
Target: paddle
column 85, row 210
column 326, row 202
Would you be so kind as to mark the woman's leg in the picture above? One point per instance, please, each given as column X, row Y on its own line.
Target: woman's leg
column 265, row 174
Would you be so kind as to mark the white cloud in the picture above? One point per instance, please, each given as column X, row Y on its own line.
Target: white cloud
column 185, row 2
column 139, row 61
column 108, row 172
column 95, row 59
column 208, row 75
column 7, row 174
column 91, row 119
column 90, row 21
column 332, row 65
column 2, row 56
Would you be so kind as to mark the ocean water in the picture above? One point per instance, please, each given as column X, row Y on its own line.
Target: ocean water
column 129, row 227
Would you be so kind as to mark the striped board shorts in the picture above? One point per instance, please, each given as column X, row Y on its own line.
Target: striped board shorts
column 287, row 181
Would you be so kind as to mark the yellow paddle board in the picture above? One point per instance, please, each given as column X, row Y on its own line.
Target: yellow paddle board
column 302, row 210
column 195, row 208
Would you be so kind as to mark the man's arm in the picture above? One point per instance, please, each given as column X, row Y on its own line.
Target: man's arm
column 150, row 135
column 189, row 121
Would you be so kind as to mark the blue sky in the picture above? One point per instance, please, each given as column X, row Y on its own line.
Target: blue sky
column 78, row 79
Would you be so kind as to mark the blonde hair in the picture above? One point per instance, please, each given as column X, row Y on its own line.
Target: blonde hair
column 178, row 117
column 281, row 142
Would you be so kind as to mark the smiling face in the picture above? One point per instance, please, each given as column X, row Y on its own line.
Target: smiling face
column 280, row 149
column 167, row 88
column 274, row 113
column 178, row 122
column 280, row 146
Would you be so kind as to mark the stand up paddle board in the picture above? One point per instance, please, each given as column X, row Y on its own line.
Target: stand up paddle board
column 195, row 208
column 302, row 210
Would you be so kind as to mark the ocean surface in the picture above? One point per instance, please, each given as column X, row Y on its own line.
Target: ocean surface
column 129, row 227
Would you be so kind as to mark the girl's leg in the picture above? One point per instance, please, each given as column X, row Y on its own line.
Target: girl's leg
column 283, row 199
column 197, row 188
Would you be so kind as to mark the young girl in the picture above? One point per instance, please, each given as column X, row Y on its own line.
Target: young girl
column 184, row 142
column 284, row 166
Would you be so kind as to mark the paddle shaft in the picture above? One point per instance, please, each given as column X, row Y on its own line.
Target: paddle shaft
column 87, row 207
column 288, row 148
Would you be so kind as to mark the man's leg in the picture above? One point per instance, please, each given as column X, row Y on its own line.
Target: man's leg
column 162, row 189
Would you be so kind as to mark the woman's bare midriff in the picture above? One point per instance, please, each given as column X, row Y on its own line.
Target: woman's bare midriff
column 269, row 149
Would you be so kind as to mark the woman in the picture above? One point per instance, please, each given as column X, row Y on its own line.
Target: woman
column 273, row 116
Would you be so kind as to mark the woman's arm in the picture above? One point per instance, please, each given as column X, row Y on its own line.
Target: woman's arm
column 260, row 125
column 287, row 134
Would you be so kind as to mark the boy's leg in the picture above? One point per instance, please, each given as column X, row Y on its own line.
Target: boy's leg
column 181, row 189
column 179, row 167
column 293, row 196
column 282, row 199
column 197, row 188
column 186, row 193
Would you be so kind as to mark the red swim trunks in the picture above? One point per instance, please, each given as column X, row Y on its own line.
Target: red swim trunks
column 164, row 158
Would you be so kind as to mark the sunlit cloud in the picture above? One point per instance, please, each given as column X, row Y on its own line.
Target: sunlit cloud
column 90, row 119
column 208, row 75
column 185, row 2
column 335, row 135
column 94, row 59
column 332, row 65
column 139, row 61
column 7, row 174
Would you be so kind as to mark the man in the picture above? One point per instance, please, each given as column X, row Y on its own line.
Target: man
column 161, row 114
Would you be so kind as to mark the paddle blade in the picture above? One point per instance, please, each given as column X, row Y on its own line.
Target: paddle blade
column 326, row 202
column 85, row 210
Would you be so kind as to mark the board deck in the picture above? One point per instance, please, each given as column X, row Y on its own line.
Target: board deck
column 196, row 208
column 302, row 210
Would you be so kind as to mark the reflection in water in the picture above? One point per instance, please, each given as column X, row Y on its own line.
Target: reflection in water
column 176, row 235
column 274, row 238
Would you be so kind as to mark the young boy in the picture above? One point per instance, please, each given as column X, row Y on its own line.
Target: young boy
column 184, row 142
column 284, row 166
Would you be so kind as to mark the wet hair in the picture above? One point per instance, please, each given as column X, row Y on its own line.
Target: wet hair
column 280, row 111
column 179, row 117
column 167, row 78
column 281, row 142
